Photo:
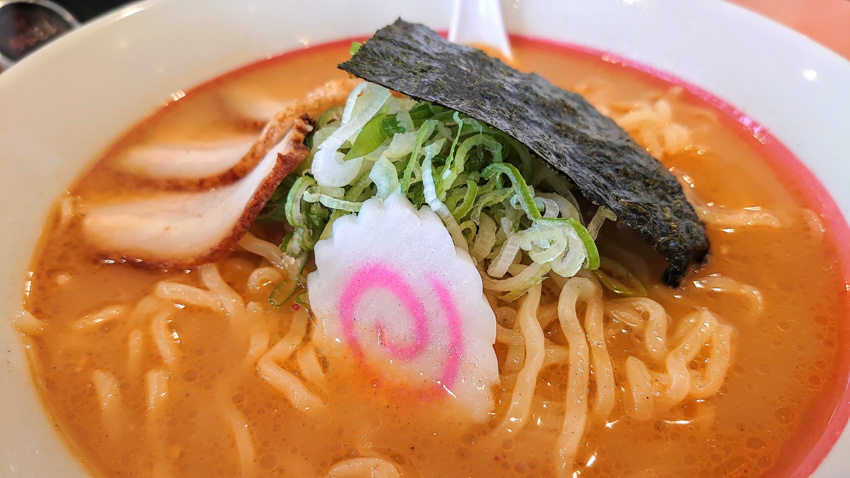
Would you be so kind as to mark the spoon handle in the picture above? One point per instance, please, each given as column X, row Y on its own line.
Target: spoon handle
column 479, row 22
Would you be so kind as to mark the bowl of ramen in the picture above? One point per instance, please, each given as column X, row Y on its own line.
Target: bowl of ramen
column 259, row 239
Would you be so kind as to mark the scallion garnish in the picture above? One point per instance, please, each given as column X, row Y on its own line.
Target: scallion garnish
column 480, row 181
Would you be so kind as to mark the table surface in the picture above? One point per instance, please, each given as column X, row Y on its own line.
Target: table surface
column 824, row 21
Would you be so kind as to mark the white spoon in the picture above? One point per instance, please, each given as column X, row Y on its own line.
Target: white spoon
column 479, row 22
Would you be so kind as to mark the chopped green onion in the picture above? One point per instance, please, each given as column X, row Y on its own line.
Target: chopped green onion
column 357, row 190
column 496, row 199
column 302, row 300
column 454, row 168
column 544, row 245
column 425, row 132
column 286, row 288
column 370, row 138
column 468, row 200
column 340, row 204
column 618, row 279
column 391, row 125
column 522, row 288
column 527, row 201
column 287, row 239
column 485, row 240
column 293, row 200
column 385, row 177
column 330, row 115
column 424, row 110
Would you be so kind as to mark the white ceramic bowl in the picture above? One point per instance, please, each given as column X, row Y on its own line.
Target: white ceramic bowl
column 62, row 106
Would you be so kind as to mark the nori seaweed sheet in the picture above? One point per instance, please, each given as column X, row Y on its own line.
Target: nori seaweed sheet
column 561, row 127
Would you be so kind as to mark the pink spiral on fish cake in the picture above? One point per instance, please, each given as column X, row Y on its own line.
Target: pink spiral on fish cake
column 454, row 325
column 379, row 276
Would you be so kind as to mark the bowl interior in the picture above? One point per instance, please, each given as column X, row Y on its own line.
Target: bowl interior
column 65, row 104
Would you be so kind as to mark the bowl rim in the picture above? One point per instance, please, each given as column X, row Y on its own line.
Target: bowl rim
column 826, row 63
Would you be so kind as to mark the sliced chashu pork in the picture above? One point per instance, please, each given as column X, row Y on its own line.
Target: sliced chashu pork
column 253, row 107
column 191, row 227
column 195, row 165
column 183, row 229
column 256, row 107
